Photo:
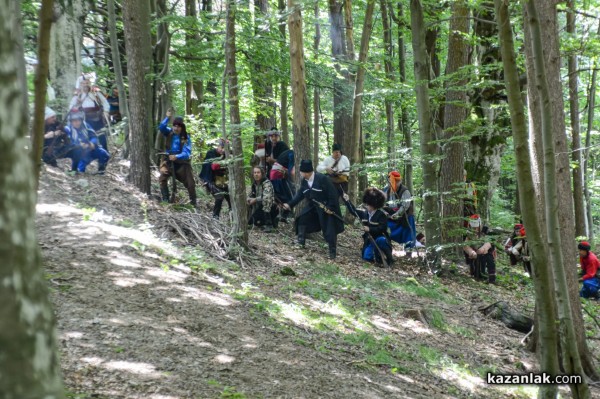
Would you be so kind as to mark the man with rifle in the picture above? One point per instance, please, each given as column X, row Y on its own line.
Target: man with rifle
column 401, row 210
column 322, row 213
column 337, row 167
column 177, row 161
column 376, row 240
column 56, row 142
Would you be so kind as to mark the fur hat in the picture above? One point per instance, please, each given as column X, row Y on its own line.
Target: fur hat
column 76, row 115
column 306, row 166
column 584, row 245
column 374, row 197
column 336, row 147
column 49, row 113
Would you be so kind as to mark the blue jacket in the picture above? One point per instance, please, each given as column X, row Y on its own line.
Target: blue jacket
column 183, row 152
column 84, row 135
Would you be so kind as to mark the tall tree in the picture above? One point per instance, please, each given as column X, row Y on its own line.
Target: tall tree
column 568, row 341
column 136, row 19
column 237, row 185
column 298, row 81
column 542, row 273
column 389, row 74
column 283, row 108
column 452, row 165
column 342, row 84
column 194, row 88
column 65, row 48
column 426, row 129
column 316, row 99
column 29, row 365
column 41, row 86
column 578, row 200
column 359, row 86
column 548, row 20
column 118, row 69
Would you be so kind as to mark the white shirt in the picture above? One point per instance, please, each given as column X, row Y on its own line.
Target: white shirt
column 343, row 166
column 89, row 100
column 311, row 180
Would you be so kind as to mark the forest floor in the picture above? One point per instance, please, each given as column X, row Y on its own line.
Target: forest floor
column 143, row 315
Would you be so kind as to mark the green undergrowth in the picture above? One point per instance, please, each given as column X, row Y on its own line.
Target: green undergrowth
column 359, row 320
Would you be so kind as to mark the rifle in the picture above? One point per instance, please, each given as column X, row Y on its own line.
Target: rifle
column 368, row 234
column 171, row 165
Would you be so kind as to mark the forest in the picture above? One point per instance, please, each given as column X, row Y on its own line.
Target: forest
column 155, row 159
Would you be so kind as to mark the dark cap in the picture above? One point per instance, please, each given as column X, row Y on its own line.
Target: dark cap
column 306, row 166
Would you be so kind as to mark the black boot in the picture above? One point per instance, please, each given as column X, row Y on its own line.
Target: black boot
column 301, row 236
column 193, row 198
column 217, row 207
column 387, row 251
column 164, row 192
column 333, row 248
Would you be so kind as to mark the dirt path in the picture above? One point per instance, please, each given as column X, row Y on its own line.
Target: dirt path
column 135, row 322
column 129, row 328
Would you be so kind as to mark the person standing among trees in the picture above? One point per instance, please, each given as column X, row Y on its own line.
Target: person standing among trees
column 337, row 167
column 178, row 147
column 262, row 208
column 322, row 213
column 85, row 143
column 94, row 105
column 589, row 271
column 214, row 177
column 400, row 207
column 374, row 221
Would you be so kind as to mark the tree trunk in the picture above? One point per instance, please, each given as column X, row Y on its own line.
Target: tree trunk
column 316, row 99
column 349, row 30
column 237, row 183
column 342, row 85
column 403, row 120
column 116, row 59
column 389, row 74
column 136, row 20
column 568, row 341
column 452, row 165
column 548, row 19
column 162, row 87
column 359, row 88
column 284, row 83
column 426, row 129
column 298, row 82
column 65, row 49
column 579, row 204
column 41, row 86
column 193, row 88
column 542, row 274
column 29, row 365
column 16, row 16
column 588, row 142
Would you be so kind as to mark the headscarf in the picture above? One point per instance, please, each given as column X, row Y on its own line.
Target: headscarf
column 394, row 178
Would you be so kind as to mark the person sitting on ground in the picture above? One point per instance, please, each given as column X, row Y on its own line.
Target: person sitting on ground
column 178, row 147
column 374, row 221
column 400, row 206
column 56, row 141
column 420, row 241
column 85, row 144
column 479, row 252
column 322, row 213
column 510, row 243
column 589, row 271
column 214, row 177
column 93, row 104
column 337, row 167
column 274, row 147
column 261, row 202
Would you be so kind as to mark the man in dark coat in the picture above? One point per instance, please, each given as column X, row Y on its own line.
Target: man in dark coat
column 215, row 177
column 318, row 214
column 274, row 147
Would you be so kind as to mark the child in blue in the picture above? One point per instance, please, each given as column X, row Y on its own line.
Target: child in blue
column 84, row 140
column 374, row 221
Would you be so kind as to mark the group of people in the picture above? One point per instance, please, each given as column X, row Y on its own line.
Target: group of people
column 82, row 135
column 389, row 214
